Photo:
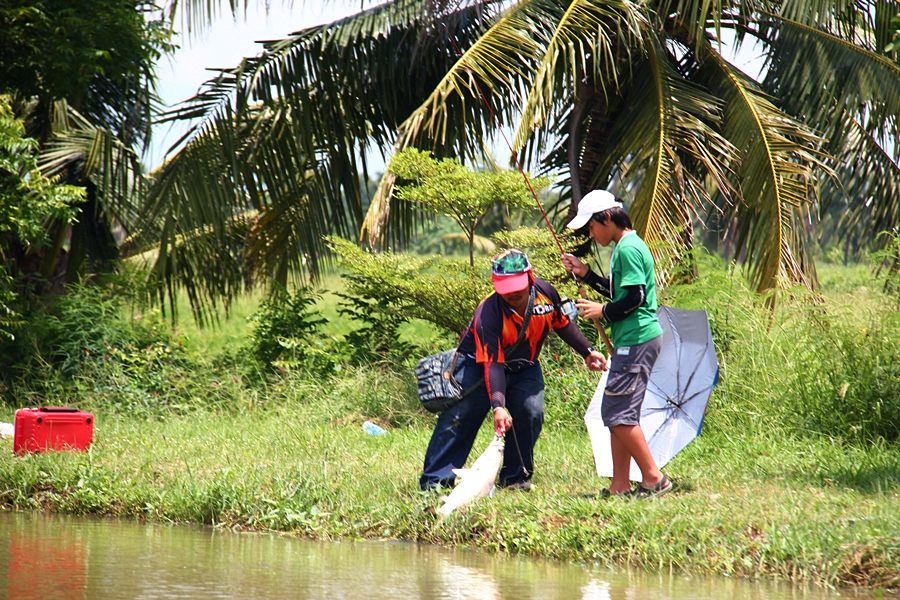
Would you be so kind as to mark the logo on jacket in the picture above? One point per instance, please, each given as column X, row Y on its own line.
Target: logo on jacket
column 543, row 309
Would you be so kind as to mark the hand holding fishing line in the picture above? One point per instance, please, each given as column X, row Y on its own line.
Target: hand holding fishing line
column 583, row 304
column 502, row 421
column 589, row 309
column 574, row 265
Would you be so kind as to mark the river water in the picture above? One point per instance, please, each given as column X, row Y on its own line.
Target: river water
column 50, row 557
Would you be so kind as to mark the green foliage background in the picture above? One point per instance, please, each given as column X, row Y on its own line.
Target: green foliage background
column 28, row 201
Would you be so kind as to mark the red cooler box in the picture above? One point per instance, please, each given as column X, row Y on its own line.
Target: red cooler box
column 52, row 428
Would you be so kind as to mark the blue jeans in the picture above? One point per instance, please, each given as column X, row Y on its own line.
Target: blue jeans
column 456, row 428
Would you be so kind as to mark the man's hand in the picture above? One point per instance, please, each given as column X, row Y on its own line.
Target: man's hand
column 589, row 309
column 595, row 361
column 502, row 421
column 573, row 263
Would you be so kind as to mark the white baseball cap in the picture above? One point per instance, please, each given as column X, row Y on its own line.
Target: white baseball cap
column 594, row 202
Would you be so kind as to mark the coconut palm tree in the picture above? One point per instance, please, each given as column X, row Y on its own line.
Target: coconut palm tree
column 639, row 97
column 82, row 78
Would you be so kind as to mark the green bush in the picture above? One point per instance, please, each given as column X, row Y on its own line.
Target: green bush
column 81, row 347
column 28, row 202
column 443, row 291
column 285, row 325
column 378, row 338
column 77, row 328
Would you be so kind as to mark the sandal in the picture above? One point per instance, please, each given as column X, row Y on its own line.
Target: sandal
column 665, row 485
column 605, row 494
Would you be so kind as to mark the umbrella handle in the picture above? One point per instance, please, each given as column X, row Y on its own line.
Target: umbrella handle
column 606, row 342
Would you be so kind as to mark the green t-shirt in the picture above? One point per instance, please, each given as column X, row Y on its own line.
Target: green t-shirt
column 632, row 264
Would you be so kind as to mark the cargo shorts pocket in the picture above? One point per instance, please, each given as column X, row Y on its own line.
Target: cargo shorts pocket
column 623, row 380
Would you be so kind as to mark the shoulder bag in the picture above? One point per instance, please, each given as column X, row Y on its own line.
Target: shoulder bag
column 436, row 375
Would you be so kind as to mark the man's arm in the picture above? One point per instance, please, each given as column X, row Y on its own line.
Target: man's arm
column 572, row 335
column 580, row 269
column 597, row 283
column 633, row 299
column 495, row 380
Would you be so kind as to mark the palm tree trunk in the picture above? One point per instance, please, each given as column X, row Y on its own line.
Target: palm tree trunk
column 583, row 98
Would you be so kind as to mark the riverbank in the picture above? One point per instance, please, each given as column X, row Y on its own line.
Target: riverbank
column 796, row 475
column 747, row 506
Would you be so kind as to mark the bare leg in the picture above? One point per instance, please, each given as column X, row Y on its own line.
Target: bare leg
column 635, row 444
column 621, row 460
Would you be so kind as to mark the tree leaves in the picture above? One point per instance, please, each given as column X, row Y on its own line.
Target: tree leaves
column 611, row 93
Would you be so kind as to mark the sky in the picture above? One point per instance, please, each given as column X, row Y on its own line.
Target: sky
column 223, row 45
column 230, row 39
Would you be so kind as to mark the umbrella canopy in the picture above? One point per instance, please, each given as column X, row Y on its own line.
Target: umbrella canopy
column 677, row 393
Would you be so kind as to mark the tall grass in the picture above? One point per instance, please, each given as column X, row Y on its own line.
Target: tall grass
column 825, row 364
column 747, row 505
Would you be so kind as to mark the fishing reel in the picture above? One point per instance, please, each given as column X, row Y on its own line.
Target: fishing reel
column 568, row 308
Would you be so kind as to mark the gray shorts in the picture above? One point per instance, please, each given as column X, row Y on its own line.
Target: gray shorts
column 626, row 383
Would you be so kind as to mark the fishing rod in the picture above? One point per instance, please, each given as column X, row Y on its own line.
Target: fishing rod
column 515, row 156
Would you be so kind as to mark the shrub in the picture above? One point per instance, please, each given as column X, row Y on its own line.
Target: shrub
column 28, row 202
column 81, row 348
column 379, row 336
column 807, row 367
column 71, row 330
column 287, row 334
column 443, row 291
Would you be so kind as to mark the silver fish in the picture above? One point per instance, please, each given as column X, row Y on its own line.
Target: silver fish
column 477, row 481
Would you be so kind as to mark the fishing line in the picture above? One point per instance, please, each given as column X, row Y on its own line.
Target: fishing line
column 515, row 157
column 519, row 451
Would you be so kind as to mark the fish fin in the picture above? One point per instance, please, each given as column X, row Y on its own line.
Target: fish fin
column 492, row 492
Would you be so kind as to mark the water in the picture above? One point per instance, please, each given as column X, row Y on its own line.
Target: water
column 55, row 557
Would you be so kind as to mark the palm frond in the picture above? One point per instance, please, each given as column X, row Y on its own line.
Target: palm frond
column 480, row 86
column 779, row 166
column 256, row 194
column 885, row 29
column 494, row 65
column 847, row 20
column 96, row 154
column 867, row 190
column 587, row 40
column 691, row 18
column 851, row 94
column 341, row 82
column 666, row 124
column 198, row 15
column 834, row 75
column 358, row 59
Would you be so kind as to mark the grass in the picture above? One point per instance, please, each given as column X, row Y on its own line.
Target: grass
column 765, row 492
column 750, row 506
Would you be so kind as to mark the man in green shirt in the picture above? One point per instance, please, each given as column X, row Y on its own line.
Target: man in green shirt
column 636, row 335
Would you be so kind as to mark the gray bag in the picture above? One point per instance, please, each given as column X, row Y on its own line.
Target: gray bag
column 436, row 375
column 438, row 387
